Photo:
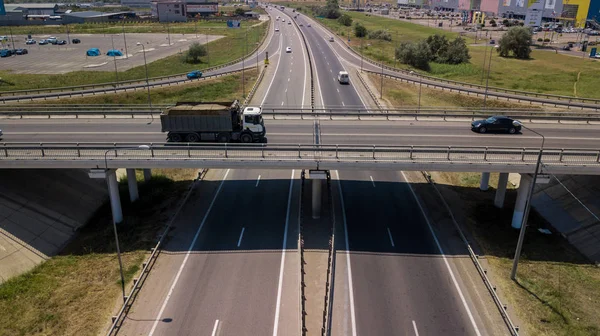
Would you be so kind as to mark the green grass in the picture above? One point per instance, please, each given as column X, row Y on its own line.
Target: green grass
column 402, row 94
column 75, row 292
column 221, row 89
column 557, row 289
column 229, row 48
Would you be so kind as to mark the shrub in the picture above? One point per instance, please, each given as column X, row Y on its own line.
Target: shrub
column 546, row 40
column 540, row 39
column 345, row 20
column 493, row 22
column 194, row 53
column 515, row 41
column 381, row 35
column 416, row 54
column 506, row 23
column 360, row 30
column 239, row 11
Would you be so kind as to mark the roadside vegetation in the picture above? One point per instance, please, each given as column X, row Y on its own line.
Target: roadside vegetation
column 220, row 88
column 544, row 72
column 76, row 292
column 557, row 289
column 223, row 50
column 400, row 94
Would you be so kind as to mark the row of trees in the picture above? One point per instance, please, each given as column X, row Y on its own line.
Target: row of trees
column 331, row 10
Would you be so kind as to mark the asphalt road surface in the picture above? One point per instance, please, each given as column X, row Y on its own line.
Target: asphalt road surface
column 433, row 133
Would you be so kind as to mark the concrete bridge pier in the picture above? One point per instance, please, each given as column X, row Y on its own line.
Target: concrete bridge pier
column 520, row 204
column 501, row 190
column 485, row 181
column 132, row 184
column 147, row 174
column 113, row 193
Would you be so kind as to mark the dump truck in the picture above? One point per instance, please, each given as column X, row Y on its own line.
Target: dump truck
column 213, row 122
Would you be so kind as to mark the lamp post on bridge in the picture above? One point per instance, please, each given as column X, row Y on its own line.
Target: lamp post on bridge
column 488, row 76
column 146, row 68
column 115, row 218
column 513, row 272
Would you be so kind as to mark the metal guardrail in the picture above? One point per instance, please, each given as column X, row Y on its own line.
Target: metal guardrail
column 567, row 99
column 330, row 113
column 293, row 152
column 261, row 75
column 68, row 91
column 482, row 92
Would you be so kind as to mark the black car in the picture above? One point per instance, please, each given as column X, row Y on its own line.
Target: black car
column 496, row 124
column 75, row 41
column 61, row 42
column 21, row 51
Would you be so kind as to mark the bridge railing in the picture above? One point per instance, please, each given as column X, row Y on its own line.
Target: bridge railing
column 292, row 153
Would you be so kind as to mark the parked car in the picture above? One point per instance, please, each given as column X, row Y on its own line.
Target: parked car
column 30, row 41
column 567, row 48
column 5, row 53
column 21, row 51
column 43, row 42
column 76, row 41
column 52, row 39
column 496, row 124
column 61, row 42
column 194, row 74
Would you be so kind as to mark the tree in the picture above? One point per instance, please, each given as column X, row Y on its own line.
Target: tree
column 457, row 52
column 438, row 45
column 195, row 51
column 360, row 30
column 416, row 54
column 345, row 20
column 331, row 10
column 239, row 11
column 516, row 41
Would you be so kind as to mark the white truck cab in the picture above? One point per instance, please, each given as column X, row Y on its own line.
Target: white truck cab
column 252, row 120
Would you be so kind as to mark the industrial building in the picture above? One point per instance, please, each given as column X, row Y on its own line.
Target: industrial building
column 180, row 10
column 93, row 16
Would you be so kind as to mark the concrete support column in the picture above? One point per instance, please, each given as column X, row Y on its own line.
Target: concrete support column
column 316, row 198
column 485, row 181
column 132, row 183
column 147, row 174
column 522, row 195
column 113, row 192
column 501, row 190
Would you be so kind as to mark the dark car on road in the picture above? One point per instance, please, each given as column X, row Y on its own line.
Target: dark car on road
column 496, row 124
column 61, row 42
column 75, row 41
column 5, row 53
column 21, row 51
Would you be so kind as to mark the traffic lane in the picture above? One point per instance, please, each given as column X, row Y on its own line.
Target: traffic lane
column 398, row 275
column 288, row 86
column 328, row 66
column 221, row 280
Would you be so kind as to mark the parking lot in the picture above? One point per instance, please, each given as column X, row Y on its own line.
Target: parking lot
column 57, row 59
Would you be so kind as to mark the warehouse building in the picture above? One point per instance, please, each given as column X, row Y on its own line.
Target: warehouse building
column 93, row 16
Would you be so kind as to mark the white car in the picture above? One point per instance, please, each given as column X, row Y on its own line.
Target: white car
column 276, row 29
column 282, row 20
column 331, row 39
column 288, row 49
column 308, row 25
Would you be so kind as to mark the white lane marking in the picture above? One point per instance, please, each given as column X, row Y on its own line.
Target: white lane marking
column 281, row 103
column 187, row 255
column 373, row 182
column 286, row 90
column 275, row 74
column 285, row 232
column 415, row 327
column 257, row 181
column 288, row 79
column 350, row 289
column 215, row 328
column 439, row 246
column 338, row 90
column 390, row 235
column 2, row 248
column 290, row 70
column 343, row 104
column 241, row 235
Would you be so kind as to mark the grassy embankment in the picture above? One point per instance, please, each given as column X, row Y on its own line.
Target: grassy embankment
column 75, row 293
column 557, row 290
column 546, row 72
column 221, row 51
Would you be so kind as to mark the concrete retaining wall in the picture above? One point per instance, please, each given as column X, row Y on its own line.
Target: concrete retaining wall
column 40, row 210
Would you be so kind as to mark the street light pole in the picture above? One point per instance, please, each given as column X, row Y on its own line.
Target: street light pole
column 381, row 91
column 361, row 55
column 488, row 77
column 124, row 38
column 115, row 223
column 112, row 40
column 513, row 272
column 147, row 82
